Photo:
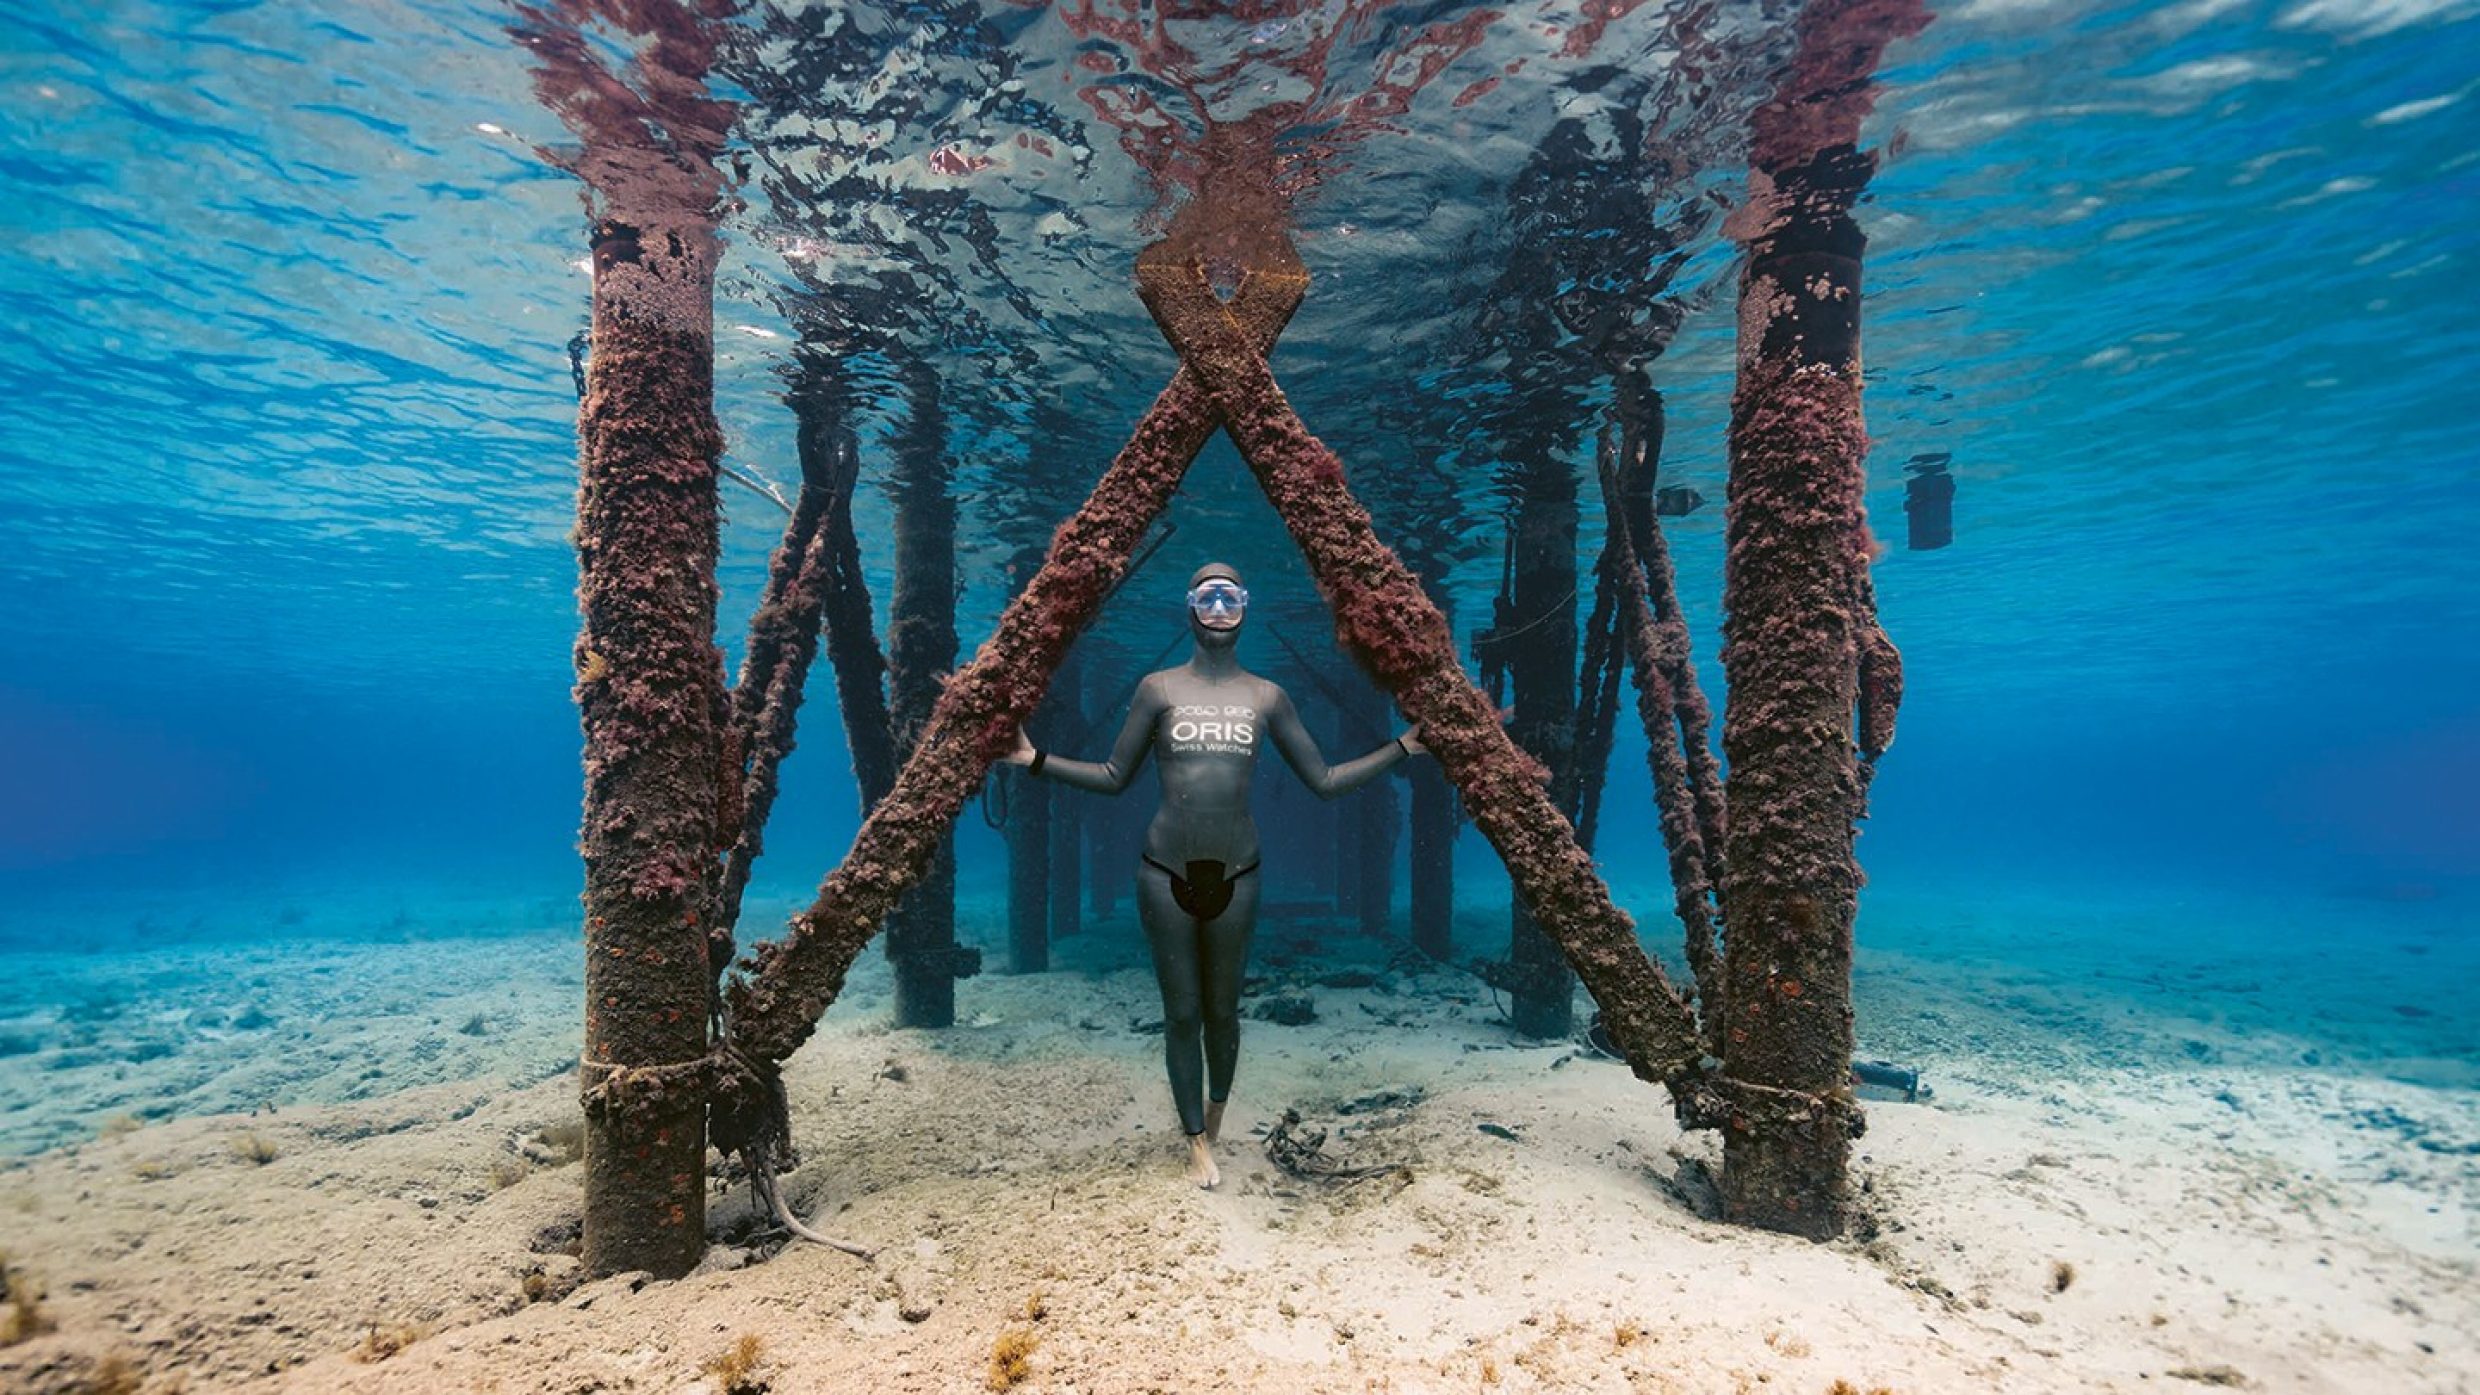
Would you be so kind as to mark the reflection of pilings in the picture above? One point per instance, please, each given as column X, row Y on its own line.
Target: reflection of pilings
column 921, row 647
column 650, row 693
column 1433, row 851
column 1541, row 666
column 1792, row 643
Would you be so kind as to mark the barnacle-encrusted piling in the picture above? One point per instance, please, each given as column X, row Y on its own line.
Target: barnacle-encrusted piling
column 1795, row 635
column 1658, row 705
column 921, row 647
column 650, row 691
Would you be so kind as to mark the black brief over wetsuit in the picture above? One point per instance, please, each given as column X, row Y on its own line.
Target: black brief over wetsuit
column 1196, row 889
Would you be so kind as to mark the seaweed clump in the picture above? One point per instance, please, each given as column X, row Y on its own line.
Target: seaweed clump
column 1011, row 1357
column 114, row 1375
column 387, row 1339
column 739, row 1369
column 23, row 1319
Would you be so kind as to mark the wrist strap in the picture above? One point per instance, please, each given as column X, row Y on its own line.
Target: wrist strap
column 1039, row 756
column 1401, row 748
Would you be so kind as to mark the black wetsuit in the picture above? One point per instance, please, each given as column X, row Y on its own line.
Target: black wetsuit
column 1196, row 888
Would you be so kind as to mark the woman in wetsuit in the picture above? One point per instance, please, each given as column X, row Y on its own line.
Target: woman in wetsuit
column 1197, row 885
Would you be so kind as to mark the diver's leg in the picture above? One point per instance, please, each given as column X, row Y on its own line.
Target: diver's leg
column 1226, row 962
column 1172, row 933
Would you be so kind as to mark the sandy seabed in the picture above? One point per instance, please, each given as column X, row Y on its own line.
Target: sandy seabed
column 336, row 1166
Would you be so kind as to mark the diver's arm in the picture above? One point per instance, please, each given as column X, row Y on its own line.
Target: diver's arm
column 1300, row 752
column 1136, row 737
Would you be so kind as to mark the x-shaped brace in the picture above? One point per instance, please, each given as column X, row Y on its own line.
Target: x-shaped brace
column 1390, row 625
column 1381, row 615
column 775, row 1007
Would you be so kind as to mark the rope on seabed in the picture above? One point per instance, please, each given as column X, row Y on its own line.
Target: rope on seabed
column 763, row 1182
column 629, row 1092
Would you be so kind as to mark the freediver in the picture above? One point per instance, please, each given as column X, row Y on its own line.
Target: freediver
column 1196, row 889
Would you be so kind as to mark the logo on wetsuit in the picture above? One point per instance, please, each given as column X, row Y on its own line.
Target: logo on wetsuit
column 1206, row 728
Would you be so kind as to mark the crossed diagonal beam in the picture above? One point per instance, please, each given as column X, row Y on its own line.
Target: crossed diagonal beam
column 775, row 1007
column 1382, row 617
column 1388, row 624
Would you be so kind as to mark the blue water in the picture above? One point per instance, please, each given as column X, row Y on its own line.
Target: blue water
column 2185, row 290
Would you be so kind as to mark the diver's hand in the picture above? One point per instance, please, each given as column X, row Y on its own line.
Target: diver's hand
column 1023, row 754
column 1411, row 742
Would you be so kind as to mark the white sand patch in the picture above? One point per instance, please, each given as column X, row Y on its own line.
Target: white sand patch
column 2310, row 1228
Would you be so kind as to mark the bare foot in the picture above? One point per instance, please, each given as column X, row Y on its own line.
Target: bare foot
column 1201, row 1168
column 1214, row 1120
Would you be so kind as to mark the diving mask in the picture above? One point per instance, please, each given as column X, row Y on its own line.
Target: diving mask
column 1218, row 597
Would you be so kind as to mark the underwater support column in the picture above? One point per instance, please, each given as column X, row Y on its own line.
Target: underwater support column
column 1541, row 667
column 1029, row 876
column 1067, row 887
column 1657, row 711
column 1391, row 630
column 1641, row 423
column 650, row 684
column 1432, row 893
column 1349, row 826
column 1380, row 817
column 921, row 647
column 1792, row 638
column 851, row 629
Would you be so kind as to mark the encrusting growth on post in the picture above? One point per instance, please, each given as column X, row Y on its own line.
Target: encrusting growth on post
column 1658, row 704
column 921, row 647
column 650, row 692
column 1795, row 637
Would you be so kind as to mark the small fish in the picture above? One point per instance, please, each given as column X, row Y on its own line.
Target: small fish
column 1676, row 501
column 1502, row 1131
